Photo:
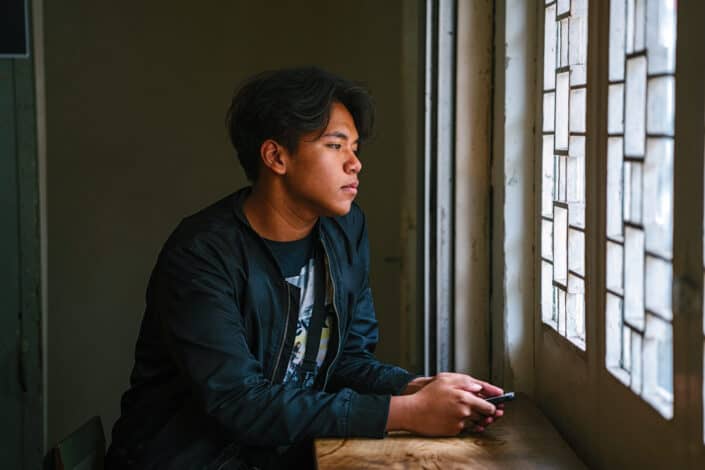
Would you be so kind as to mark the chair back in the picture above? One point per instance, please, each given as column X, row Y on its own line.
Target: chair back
column 84, row 449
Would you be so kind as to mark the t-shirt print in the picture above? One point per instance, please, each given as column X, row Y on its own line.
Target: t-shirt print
column 304, row 281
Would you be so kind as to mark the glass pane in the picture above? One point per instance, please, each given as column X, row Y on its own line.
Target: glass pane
column 617, row 37
column 660, row 105
column 629, row 45
column 547, row 184
column 549, row 106
column 636, row 187
column 658, row 365
column 554, row 319
column 547, row 239
column 562, row 180
column 547, row 292
column 561, row 311
column 563, row 36
column 615, row 116
column 614, row 187
column 627, row 199
column 576, row 170
column 636, row 362
column 659, row 277
column 613, row 347
column 635, row 104
column 577, row 110
column 658, row 207
column 661, row 36
column 615, row 263
column 665, row 358
column 560, row 245
column 632, row 191
column 577, row 55
column 563, row 6
column 562, row 96
column 639, row 25
column 634, row 277
column 549, row 54
column 627, row 349
column 576, row 181
column 576, row 251
column 578, row 8
column 575, row 310
column 576, row 214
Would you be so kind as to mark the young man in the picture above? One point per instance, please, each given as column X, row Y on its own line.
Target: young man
column 259, row 328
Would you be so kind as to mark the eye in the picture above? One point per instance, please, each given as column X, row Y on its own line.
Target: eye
column 335, row 146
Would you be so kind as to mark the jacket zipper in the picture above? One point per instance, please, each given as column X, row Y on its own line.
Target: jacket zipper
column 337, row 315
column 286, row 329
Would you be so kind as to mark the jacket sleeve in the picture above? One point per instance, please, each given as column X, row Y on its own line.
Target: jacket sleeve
column 358, row 368
column 195, row 298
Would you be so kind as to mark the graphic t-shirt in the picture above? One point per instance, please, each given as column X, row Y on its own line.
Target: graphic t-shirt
column 298, row 264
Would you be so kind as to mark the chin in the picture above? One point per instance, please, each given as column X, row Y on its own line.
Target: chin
column 339, row 210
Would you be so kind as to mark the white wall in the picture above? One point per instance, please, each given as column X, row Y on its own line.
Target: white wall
column 135, row 104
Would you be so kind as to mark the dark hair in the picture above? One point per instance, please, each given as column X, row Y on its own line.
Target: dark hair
column 285, row 104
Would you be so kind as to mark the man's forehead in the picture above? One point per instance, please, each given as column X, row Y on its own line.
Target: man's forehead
column 341, row 123
column 338, row 134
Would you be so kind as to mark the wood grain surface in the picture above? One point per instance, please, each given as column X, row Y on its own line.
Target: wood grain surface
column 522, row 439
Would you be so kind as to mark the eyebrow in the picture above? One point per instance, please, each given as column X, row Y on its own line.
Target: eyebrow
column 338, row 134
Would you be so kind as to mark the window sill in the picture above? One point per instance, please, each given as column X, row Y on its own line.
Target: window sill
column 523, row 438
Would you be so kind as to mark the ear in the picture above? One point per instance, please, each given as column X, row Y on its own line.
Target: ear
column 273, row 156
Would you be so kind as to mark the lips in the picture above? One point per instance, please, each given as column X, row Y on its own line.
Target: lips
column 351, row 188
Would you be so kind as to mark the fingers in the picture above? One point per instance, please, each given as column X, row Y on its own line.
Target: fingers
column 477, row 426
column 488, row 389
column 456, row 402
column 462, row 381
column 485, row 419
column 470, row 383
column 478, row 423
column 479, row 405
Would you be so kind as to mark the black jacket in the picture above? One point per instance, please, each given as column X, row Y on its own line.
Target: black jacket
column 215, row 340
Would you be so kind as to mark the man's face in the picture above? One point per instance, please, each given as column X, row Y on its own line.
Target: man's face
column 322, row 176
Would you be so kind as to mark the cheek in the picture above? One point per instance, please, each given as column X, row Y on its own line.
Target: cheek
column 314, row 181
column 322, row 175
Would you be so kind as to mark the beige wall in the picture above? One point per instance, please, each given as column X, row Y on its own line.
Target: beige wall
column 135, row 140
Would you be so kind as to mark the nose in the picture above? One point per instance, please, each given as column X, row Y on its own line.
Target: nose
column 353, row 164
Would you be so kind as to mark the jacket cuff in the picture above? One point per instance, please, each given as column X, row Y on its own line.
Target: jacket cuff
column 367, row 415
column 396, row 380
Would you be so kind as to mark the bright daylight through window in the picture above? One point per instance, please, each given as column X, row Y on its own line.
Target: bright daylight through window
column 639, row 220
column 563, row 168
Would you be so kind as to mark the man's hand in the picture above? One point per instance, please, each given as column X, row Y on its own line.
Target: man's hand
column 444, row 405
column 417, row 384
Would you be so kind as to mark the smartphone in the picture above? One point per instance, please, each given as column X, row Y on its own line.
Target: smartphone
column 509, row 396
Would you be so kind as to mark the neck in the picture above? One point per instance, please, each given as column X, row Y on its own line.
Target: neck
column 273, row 217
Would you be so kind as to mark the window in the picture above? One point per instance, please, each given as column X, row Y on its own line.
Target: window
column 640, row 374
column 563, row 168
column 639, row 197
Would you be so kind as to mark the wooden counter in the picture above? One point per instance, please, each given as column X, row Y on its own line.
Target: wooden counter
column 522, row 439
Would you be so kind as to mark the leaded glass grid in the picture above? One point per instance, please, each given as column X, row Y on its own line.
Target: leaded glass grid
column 563, row 168
column 639, row 217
